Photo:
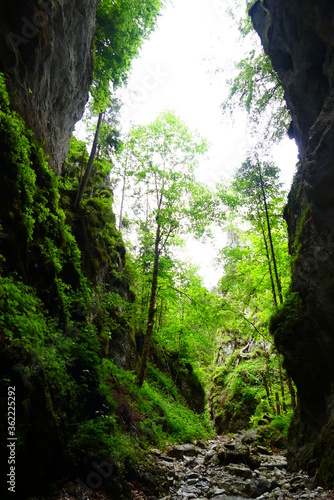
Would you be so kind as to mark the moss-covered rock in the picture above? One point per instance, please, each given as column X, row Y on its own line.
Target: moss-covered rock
column 323, row 455
column 102, row 253
column 183, row 376
column 237, row 388
column 234, row 399
column 52, row 344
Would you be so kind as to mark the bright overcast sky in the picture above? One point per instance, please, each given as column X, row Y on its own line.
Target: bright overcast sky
column 184, row 67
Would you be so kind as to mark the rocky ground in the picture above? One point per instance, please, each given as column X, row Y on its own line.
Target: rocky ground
column 231, row 468
column 220, row 469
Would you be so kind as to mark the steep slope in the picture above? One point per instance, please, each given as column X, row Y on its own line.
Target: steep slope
column 299, row 38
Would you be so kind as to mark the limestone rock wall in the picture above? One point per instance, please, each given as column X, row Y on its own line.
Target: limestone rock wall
column 46, row 54
column 298, row 35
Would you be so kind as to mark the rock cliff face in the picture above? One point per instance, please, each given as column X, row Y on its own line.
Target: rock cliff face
column 298, row 35
column 45, row 52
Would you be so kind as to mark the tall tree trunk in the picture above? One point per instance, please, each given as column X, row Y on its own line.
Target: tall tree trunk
column 279, row 288
column 151, row 312
column 269, row 264
column 122, row 202
column 267, row 378
column 277, row 403
column 89, row 168
column 160, row 315
column 266, row 386
column 123, row 192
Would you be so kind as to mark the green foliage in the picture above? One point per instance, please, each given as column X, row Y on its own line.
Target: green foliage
column 162, row 383
column 49, row 348
column 59, row 321
column 257, row 90
column 244, row 387
column 284, row 323
column 238, row 10
column 35, row 344
column 77, row 151
column 189, row 318
column 187, row 315
column 121, row 27
column 65, row 278
column 110, row 134
column 237, row 391
column 37, row 234
column 95, row 220
column 248, row 263
column 275, row 433
column 162, row 157
column 156, row 410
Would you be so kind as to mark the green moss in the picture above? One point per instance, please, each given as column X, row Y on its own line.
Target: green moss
column 49, row 349
column 324, row 453
column 236, row 393
column 287, row 318
column 39, row 245
column 94, row 223
column 275, row 433
column 157, row 409
column 297, row 184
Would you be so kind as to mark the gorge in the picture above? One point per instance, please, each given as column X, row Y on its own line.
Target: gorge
column 74, row 301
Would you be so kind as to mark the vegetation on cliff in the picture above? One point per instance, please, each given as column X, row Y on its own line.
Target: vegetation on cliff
column 66, row 300
column 111, row 342
column 73, row 310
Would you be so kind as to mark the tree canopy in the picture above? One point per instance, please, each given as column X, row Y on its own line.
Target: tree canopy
column 162, row 157
column 121, row 28
column 256, row 88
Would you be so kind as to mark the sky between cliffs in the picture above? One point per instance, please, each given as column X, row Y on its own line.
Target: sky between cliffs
column 184, row 67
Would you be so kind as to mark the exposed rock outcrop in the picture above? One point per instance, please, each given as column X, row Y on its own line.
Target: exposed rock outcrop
column 46, row 53
column 298, row 36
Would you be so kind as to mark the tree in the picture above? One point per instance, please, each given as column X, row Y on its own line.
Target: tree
column 260, row 185
column 106, row 140
column 89, row 167
column 256, row 88
column 189, row 318
column 121, row 27
column 256, row 261
column 163, row 156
